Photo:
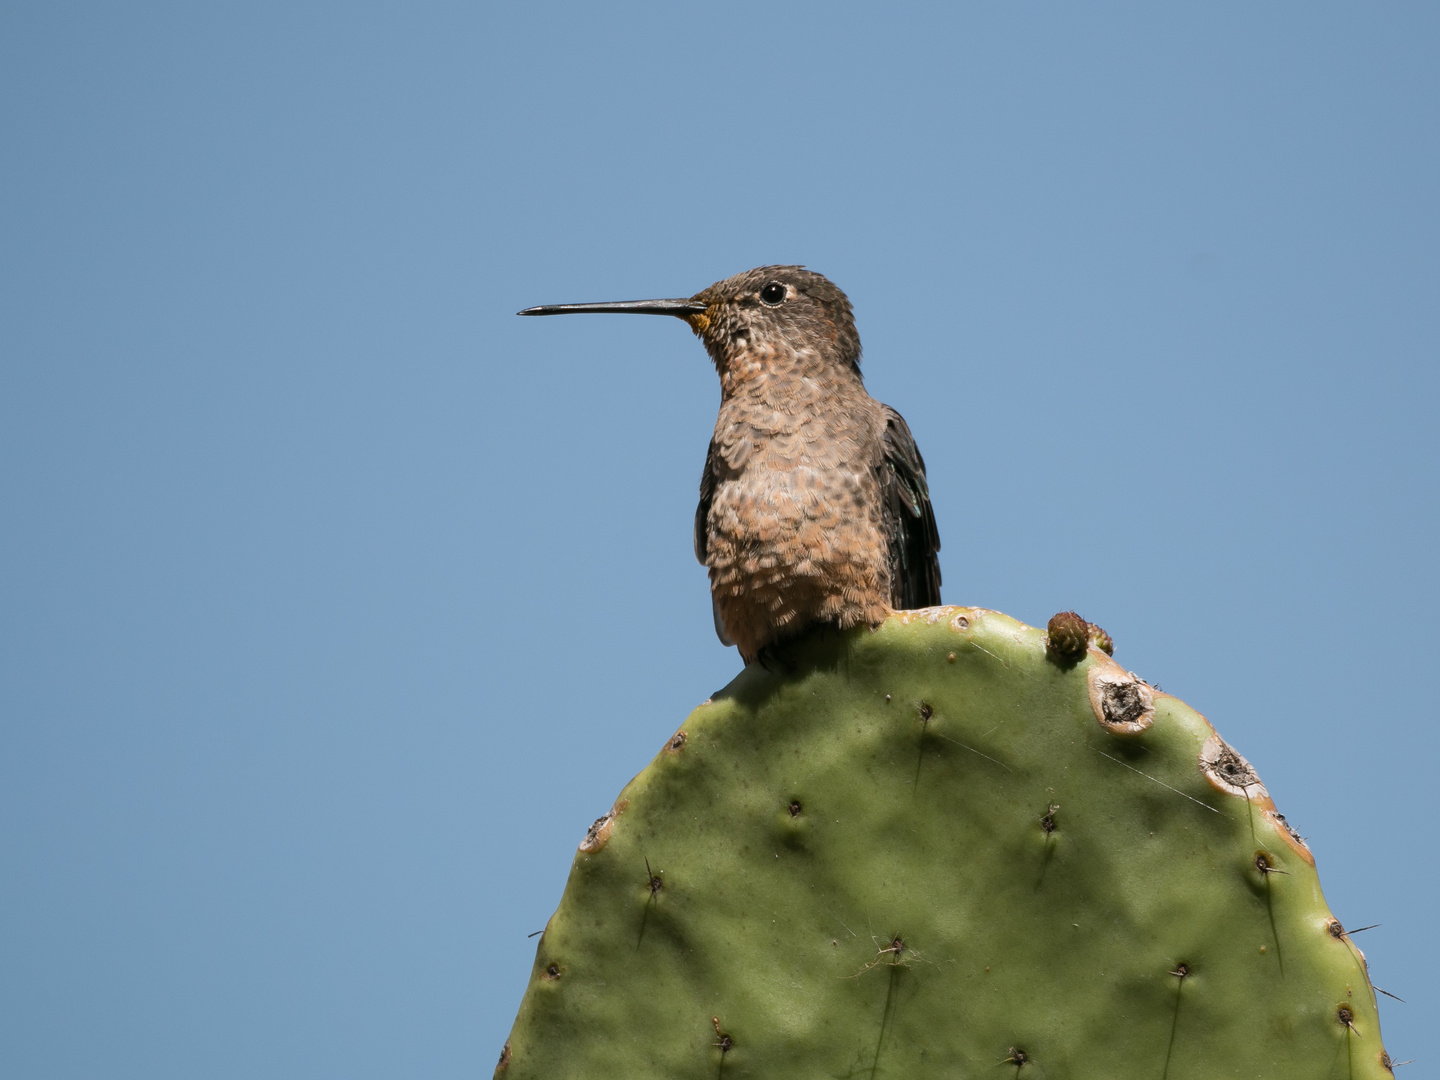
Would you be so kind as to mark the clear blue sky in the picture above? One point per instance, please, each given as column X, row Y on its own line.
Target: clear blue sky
column 336, row 601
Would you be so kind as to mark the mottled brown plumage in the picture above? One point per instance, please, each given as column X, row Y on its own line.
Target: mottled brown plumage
column 813, row 501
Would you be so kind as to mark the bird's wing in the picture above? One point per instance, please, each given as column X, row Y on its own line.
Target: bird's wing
column 909, row 521
column 702, row 512
column 707, row 493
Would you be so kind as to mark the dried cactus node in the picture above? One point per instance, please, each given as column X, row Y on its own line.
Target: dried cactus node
column 598, row 835
column 1123, row 704
column 1230, row 772
column 1067, row 637
column 1292, row 836
column 865, row 889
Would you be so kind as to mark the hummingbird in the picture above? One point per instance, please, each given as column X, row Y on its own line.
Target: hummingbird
column 814, row 507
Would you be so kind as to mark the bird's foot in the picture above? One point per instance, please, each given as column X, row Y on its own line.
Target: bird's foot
column 768, row 653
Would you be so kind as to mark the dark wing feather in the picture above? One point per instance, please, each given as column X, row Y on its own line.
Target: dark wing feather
column 909, row 521
column 707, row 495
column 702, row 513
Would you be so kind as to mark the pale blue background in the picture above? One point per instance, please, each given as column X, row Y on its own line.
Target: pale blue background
column 337, row 600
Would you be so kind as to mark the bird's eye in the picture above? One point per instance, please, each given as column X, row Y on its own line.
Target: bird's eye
column 773, row 293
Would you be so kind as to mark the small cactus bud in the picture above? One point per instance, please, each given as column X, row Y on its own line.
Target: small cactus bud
column 1101, row 640
column 1067, row 637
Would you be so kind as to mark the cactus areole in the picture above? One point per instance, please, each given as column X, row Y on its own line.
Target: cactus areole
column 932, row 850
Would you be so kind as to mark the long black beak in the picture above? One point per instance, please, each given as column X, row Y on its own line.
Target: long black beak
column 678, row 308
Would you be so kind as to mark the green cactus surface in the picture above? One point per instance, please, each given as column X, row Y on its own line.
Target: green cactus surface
column 930, row 850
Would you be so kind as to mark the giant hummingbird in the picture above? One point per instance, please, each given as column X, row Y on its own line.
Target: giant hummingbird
column 814, row 507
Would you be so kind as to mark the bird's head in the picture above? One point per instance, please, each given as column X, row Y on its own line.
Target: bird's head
column 754, row 319
column 776, row 310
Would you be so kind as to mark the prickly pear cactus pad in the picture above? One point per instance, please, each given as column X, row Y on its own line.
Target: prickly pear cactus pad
column 944, row 849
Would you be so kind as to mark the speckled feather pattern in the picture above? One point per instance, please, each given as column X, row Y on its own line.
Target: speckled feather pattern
column 813, row 505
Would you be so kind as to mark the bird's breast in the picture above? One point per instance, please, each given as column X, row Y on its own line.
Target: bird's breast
column 793, row 530
column 802, row 492
column 757, row 437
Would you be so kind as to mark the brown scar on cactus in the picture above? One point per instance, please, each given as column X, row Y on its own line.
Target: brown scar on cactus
column 1227, row 771
column 552, row 972
column 1289, row 834
column 1017, row 1057
column 504, row 1057
column 598, row 835
column 794, row 808
column 1122, row 703
column 677, row 742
